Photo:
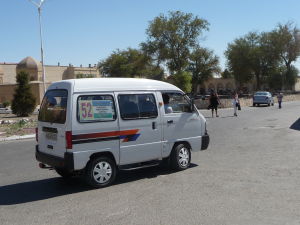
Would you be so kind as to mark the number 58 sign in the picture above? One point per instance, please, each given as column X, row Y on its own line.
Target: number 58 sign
column 86, row 110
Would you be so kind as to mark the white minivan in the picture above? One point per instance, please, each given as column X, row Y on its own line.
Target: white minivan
column 95, row 127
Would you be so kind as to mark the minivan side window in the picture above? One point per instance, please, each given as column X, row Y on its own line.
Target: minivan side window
column 175, row 102
column 95, row 108
column 137, row 106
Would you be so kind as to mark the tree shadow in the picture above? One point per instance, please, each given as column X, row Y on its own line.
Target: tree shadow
column 296, row 125
column 53, row 187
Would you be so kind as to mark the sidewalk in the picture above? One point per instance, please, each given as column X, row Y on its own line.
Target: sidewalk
column 16, row 137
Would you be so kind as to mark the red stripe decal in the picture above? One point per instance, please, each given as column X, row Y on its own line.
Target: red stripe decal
column 104, row 134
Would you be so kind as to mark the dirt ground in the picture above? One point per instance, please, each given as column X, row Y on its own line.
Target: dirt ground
column 17, row 126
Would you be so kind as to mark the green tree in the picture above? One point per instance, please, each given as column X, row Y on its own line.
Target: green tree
column 171, row 38
column 252, row 57
column 129, row 63
column 290, row 76
column 203, row 64
column 226, row 74
column 182, row 80
column 286, row 41
column 238, row 56
column 23, row 102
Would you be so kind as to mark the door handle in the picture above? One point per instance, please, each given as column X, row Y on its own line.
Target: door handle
column 153, row 125
column 170, row 121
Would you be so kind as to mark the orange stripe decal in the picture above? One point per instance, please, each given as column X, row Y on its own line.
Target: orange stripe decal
column 105, row 134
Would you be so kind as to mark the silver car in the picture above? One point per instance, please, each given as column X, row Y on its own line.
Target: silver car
column 263, row 97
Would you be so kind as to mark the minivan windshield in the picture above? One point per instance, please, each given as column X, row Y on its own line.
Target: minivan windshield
column 54, row 107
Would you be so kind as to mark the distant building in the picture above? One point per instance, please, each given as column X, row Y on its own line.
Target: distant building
column 8, row 72
column 228, row 85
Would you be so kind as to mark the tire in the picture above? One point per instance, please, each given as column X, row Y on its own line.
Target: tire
column 100, row 172
column 268, row 104
column 180, row 157
column 253, row 104
column 63, row 173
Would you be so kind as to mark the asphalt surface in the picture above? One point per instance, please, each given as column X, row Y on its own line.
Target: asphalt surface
column 249, row 175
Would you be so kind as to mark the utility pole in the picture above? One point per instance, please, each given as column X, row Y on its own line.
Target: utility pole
column 39, row 7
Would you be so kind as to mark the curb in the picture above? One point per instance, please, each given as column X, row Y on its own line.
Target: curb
column 15, row 137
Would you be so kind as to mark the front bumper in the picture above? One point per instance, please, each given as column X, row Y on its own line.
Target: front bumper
column 54, row 161
column 205, row 142
column 261, row 102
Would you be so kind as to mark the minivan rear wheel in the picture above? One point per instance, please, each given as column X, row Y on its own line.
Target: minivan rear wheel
column 180, row 157
column 100, row 172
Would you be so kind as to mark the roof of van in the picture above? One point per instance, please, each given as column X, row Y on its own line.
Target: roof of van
column 117, row 84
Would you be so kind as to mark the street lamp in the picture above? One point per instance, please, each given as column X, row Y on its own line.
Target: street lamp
column 39, row 7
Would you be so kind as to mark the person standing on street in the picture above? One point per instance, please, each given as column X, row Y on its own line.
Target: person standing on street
column 235, row 103
column 214, row 103
column 279, row 98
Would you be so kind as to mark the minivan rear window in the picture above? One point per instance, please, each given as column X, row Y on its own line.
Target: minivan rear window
column 54, row 107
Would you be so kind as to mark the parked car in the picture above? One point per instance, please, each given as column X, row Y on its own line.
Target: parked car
column 263, row 97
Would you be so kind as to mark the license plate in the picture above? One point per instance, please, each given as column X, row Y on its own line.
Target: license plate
column 51, row 136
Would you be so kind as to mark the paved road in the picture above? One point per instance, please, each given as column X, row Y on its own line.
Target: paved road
column 249, row 175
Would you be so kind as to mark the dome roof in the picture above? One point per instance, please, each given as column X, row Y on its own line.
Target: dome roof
column 29, row 63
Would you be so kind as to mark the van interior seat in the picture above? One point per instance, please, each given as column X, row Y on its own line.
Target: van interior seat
column 130, row 110
column 147, row 108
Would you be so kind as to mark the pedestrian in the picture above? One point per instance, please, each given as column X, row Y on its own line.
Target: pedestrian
column 235, row 104
column 279, row 98
column 214, row 102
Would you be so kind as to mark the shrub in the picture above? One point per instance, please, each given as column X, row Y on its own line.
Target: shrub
column 6, row 104
column 23, row 103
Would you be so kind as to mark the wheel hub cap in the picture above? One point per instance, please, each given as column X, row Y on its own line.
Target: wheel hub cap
column 102, row 172
column 184, row 157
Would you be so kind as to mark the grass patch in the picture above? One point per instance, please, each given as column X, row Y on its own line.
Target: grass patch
column 19, row 128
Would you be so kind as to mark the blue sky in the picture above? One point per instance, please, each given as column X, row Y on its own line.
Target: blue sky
column 86, row 31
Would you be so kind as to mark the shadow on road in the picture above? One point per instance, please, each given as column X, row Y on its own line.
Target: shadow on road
column 53, row 187
column 38, row 190
column 296, row 125
column 226, row 116
column 260, row 106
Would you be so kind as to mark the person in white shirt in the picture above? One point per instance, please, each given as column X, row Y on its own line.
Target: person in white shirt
column 166, row 99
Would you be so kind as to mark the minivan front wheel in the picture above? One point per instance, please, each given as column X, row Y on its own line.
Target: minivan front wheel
column 100, row 172
column 181, row 157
